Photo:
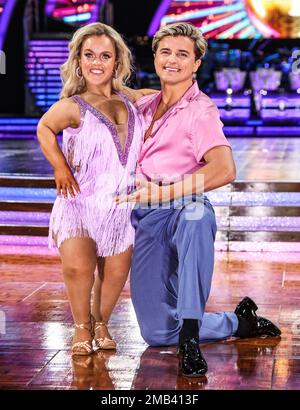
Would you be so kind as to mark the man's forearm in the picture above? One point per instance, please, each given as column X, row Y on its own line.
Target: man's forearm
column 207, row 178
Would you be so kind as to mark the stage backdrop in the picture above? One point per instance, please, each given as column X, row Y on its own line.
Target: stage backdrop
column 228, row 19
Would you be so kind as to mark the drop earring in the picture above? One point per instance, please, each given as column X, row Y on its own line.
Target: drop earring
column 115, row 73
column 78, row 73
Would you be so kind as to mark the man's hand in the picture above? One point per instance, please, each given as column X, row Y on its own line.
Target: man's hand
column 147, row 192
column 65, row 182
column 134, row 95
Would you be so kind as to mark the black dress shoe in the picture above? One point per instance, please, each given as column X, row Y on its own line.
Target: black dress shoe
column 192, row 363
column 259, row 326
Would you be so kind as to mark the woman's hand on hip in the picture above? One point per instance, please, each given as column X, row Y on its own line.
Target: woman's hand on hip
column 65, row 182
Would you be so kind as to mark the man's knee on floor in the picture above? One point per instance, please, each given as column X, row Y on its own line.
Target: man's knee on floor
column 153, row 338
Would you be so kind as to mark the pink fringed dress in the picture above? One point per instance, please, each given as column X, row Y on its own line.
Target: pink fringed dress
column 103, row 169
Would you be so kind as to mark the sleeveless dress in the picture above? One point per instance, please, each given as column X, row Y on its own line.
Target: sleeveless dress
column 102, row 169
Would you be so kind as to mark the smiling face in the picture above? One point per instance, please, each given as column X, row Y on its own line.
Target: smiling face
column 175, row 60
column 98, row 60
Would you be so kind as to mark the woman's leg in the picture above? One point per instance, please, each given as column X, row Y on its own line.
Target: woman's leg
column 79, row 262
column 112, row 275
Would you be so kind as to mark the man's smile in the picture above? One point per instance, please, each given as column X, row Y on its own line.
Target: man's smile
column 171, row 69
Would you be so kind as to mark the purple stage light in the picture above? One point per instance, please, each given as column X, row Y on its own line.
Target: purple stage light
column 253, row 224
column 226, row 198
column 234, row 223
column 289, row 101
column 43, row 64
column 38, row 245
column 277, row 114
column 5, row 16
column 217, row 198
column 216, row 18
column 79, row 12
column 17, row 128
column 45, row 195
column 47, row 42
column 15, row 217
column 55, row 54
column 238, row 131
column 232, row 19
column 14, row 121
column 245, row 246
column 235, row 113
column 243, row 101
column 50, row 7
column 161, row 11
column 278, row 131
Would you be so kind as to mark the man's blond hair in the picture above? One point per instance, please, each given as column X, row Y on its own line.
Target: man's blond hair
column 182, row 29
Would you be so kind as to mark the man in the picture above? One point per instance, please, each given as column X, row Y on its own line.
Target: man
column 184, row 151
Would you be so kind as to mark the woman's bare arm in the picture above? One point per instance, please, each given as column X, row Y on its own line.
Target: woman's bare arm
column 65, row 113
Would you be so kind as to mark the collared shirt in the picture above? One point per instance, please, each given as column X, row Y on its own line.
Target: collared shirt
column 181, row 137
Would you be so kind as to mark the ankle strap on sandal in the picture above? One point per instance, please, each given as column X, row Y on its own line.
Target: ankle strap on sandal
column 99, row 324
column 86, row 325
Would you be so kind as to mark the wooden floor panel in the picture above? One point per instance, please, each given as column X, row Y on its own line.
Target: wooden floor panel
column 36, row 332
column 262, row 159
column 286, row 374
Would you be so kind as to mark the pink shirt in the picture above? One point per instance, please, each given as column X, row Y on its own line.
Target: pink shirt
column 181, row 137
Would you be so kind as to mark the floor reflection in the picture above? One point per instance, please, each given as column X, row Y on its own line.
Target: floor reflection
column 248, row 356
column 233, row 364
column 91, row 372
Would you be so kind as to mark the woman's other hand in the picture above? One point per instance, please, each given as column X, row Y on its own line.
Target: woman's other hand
column 65, row 182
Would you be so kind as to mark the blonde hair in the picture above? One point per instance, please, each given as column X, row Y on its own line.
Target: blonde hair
column 74, row 85
column 182, row 29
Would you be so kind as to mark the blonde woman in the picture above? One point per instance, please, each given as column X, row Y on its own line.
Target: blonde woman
column 102, row 138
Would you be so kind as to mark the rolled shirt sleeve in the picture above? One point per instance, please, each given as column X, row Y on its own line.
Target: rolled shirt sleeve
column 207, row 131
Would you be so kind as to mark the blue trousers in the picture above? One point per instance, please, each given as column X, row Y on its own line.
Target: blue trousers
column 171, row 273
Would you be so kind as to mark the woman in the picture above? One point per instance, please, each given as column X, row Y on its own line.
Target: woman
column 101, row 142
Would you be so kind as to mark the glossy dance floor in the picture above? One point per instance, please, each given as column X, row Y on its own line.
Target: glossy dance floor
column 36, row 324
column 256, row 158
column 267, row 159
column 36, row 331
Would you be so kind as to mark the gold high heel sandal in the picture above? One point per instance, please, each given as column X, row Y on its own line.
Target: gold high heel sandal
column 84, row 348
column 104, row 343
